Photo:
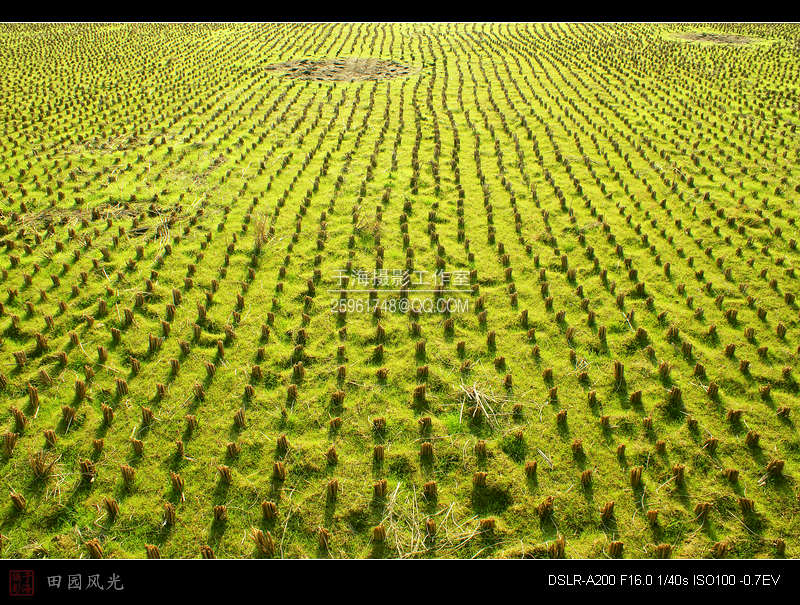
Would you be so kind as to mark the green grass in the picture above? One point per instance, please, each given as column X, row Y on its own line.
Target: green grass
column 140, row 156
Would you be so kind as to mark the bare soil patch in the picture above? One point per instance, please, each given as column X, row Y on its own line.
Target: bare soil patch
column 343, row 70
column 715, row 38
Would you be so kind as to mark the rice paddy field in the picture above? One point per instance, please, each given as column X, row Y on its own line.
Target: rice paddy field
column 399, row 290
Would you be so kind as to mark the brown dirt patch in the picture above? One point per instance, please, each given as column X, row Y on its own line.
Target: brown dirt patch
column 715, row 38
column 343, row 70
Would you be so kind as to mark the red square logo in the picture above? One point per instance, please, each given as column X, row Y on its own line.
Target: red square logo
column 20, row 583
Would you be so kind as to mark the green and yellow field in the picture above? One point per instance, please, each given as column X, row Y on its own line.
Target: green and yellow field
column 186, row 373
